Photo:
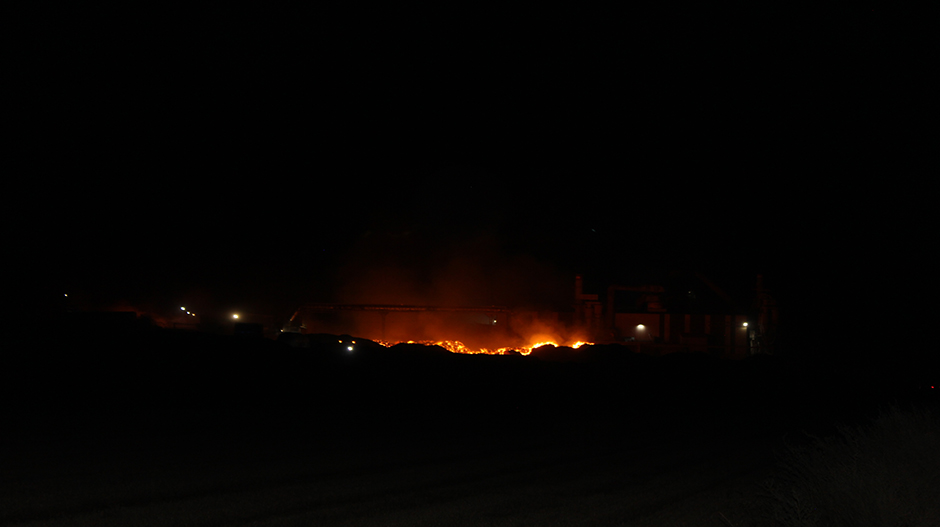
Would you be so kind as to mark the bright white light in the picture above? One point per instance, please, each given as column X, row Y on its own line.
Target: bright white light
column 640, row 326
column 350, row 348
column 235, row 316
column 745, row 324
column 65, row 294
column 182, row 309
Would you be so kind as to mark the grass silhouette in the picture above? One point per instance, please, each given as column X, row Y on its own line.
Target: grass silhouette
column 883, row 474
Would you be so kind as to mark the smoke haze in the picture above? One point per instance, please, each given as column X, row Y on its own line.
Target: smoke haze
column 423, row 267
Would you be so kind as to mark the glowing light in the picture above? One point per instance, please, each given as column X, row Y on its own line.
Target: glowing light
column 640, row 327
column 65, row 294
column 745, row 324
column 182, row 309
column 235, row 315
column 455, row 346
column 546, row 343
column 350, row 348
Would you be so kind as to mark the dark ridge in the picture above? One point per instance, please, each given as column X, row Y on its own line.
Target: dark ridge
column 152, row 378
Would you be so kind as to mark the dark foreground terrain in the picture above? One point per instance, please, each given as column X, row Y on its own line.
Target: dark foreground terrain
column 153, row 427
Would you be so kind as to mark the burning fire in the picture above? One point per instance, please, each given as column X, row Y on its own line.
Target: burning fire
column 455, row 346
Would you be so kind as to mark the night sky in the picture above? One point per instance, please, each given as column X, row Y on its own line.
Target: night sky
column 258, row 160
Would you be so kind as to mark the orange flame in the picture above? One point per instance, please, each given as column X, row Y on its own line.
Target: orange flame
column 455, row 346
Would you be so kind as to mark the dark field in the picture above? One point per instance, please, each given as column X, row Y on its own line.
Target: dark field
column 164, row 428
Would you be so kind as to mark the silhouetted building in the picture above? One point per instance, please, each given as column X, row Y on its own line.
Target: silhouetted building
column 641, row 316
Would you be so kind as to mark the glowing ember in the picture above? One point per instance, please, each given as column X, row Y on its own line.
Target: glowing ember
column 546, row 343
column 455, row 346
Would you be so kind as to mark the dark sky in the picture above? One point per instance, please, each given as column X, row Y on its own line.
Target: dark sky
column 262, row 159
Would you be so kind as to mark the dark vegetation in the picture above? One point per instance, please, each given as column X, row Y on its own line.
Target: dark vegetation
column 883, row 473
column 137, row 381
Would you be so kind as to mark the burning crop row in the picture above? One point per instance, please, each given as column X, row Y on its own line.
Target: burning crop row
column 455, row 346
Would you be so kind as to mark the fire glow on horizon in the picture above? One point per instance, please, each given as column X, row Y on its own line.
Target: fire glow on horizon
column 455, row 346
